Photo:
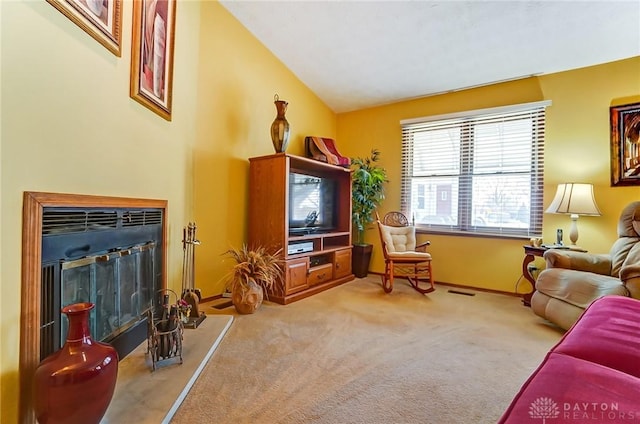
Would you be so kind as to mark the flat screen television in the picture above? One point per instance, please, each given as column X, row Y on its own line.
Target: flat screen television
column 312, row 204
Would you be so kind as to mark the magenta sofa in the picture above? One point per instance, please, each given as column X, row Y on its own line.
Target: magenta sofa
column 592, row 375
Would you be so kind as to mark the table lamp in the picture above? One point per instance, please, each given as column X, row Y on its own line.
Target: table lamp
column 574, row 199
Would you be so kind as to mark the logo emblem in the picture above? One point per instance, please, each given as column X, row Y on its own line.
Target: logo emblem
column 544, row 408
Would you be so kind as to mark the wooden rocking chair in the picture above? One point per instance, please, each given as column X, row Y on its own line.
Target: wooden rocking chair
column 403, row 257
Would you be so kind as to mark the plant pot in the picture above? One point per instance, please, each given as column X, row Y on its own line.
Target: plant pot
column 360, row 259
column 76, row 383
column 247, row 298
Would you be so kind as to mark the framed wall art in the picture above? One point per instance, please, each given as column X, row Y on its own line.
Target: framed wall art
column 152, row 54
column 101, row 19
column 625, row 144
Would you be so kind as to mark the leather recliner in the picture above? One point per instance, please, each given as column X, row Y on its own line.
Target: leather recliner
column 572, row 279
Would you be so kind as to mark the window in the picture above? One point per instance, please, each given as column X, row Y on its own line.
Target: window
column 476, row 172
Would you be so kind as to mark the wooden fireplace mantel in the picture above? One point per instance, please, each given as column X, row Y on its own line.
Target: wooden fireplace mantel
column 32, row 211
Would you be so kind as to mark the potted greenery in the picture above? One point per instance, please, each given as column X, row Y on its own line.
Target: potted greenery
column 254, row 274
column 367, row 191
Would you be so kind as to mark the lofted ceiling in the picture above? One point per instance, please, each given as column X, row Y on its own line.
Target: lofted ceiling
column 359, row 54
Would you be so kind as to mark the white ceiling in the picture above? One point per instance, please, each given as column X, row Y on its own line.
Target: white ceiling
column 358, row 54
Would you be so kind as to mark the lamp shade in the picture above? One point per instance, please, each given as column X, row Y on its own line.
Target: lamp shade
column 574, row 199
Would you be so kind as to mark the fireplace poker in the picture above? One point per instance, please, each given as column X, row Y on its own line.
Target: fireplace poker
column 190, row 293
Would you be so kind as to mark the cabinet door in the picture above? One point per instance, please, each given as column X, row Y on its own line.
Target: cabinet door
column 343, row 263
column 296, row 275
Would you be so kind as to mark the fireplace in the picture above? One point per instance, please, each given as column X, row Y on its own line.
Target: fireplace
column 107, row 256
column 110, row 251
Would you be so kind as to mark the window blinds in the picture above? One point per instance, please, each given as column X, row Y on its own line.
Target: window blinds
column 478, row 171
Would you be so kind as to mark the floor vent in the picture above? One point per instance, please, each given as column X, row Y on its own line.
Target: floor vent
column 462, row 292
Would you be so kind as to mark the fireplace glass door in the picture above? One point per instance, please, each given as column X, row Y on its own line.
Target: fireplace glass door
column 119, row 283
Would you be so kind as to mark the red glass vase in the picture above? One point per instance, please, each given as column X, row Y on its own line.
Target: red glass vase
column 76, row 383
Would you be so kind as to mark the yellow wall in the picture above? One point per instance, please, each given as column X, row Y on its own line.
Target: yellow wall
column 237, row 83
column 69, row 125
column 577, row 149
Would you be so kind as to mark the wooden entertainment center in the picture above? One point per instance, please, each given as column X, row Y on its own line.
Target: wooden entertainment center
column 316, row 258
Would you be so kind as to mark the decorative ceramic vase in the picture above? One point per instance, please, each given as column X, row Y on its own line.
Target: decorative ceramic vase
column 76, row 383
column 280, row 126
column 247, row 298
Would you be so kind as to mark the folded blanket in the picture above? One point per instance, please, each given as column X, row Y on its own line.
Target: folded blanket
column 324, row 149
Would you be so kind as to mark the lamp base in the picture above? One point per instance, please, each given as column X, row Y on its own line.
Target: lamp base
column 573, row 231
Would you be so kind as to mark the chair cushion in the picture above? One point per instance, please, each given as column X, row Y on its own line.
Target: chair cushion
column 409, row 255
column 619, row 252
column 577, row 287
column 398, row 239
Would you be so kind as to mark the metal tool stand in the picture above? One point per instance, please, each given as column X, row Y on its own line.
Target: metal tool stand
column 165, row 329
column 189, row 293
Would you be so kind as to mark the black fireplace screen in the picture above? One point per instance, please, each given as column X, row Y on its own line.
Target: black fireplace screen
column 111, row 258
column 115, row 283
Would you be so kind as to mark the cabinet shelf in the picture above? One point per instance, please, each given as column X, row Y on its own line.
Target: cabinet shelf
column 269, row 209
column 321, row 236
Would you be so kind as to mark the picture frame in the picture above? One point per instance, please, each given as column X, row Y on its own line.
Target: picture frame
column 152, row 54
column 101, row 19
column 625, row 144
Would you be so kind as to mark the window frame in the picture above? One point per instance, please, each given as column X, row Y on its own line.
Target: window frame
column 465, row 175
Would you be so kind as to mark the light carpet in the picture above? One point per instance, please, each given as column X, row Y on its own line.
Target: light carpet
column 354, row 354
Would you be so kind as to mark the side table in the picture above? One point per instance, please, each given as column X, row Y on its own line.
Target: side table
column 530, row 252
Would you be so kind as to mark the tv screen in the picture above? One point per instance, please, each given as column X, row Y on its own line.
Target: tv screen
column 311, row 203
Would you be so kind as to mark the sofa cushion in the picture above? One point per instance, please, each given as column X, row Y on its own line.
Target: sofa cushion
column 608, row 335
column 576, row 287
column 591, row 375
column 565, row 389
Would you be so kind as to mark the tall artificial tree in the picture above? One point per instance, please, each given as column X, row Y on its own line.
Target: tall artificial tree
column 367, row 187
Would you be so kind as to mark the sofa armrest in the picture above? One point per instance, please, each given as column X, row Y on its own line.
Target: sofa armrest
column 630, row 276
column 579, row 261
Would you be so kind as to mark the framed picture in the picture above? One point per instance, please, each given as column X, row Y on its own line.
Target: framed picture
column 101, row 19
column 625, row 144
column 152, row 54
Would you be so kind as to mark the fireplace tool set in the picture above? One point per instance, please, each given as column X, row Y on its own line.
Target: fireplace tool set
column 165, row 331
column 171, row 314
column 191, row 295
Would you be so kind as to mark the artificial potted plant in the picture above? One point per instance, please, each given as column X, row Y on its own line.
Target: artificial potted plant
column 367, row 191
column 254, row 274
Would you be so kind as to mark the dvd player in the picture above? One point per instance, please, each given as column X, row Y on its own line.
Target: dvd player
column 300, row 247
